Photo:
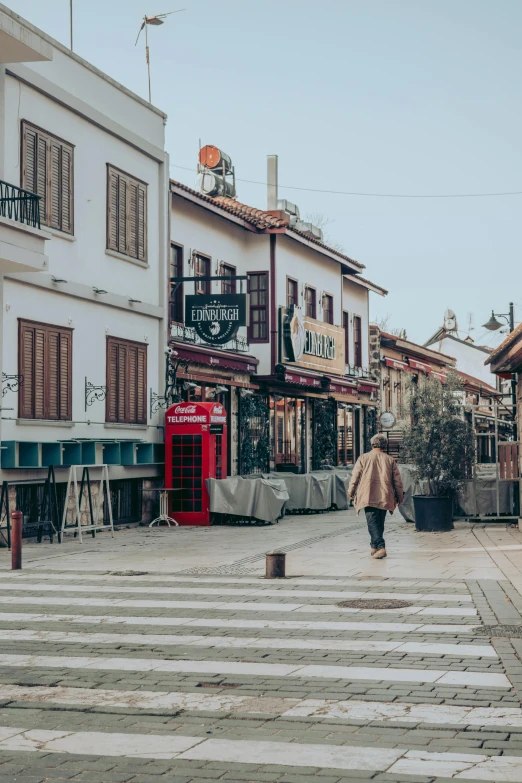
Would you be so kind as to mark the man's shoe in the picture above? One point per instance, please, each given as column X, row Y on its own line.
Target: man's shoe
column 372, row 551
column 379, row 554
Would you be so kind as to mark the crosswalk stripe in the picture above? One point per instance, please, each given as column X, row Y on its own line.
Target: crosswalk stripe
column 257, row 580
column 227, row 606
column 461, row 650
column 391, row 712
column 197, row 622
column 442, row 677
column 39, row 587
column 394, row 761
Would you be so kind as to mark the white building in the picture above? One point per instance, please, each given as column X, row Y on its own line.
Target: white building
column 296, row 403
column 83, row 291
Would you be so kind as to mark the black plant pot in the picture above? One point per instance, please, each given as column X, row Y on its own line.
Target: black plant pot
column 433, row 513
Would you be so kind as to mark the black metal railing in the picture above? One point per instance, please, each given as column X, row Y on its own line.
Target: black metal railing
column 20, row 205
column 187, row 334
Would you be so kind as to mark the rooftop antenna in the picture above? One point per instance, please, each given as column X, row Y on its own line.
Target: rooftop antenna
column 154, row 20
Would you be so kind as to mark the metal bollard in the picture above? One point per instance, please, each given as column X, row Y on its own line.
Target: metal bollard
column 16, row 540
column 275, row 565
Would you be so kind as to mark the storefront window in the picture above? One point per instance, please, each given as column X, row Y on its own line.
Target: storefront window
column 345, row 450
column 287, row 427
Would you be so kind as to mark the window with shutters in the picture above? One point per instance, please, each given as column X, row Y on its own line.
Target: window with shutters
column 202, row 269
column 47, row 170
column 45, row 362
column 126, row 401
column 126, row 214
column 357, row 341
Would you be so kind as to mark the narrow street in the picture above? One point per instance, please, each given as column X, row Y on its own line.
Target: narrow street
column 193, row 672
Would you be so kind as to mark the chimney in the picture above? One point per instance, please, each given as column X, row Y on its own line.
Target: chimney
column 271, row 179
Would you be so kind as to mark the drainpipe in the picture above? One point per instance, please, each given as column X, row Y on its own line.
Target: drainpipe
column 272, row 198
column 273, row 308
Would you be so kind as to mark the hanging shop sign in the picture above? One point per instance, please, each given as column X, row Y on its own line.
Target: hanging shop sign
column 215, row 317
column 310, row 343
column 387, row 420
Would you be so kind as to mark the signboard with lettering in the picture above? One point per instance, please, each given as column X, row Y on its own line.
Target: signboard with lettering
column 311, row 344
column 215, row 317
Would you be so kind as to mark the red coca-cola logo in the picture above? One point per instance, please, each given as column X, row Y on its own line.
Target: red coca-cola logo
column 185, row 409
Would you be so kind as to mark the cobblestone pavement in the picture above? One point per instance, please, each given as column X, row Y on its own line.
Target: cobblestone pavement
column 222, row 675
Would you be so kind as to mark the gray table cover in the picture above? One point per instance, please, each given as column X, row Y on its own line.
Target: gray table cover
column 477, row 498
column 263, row 499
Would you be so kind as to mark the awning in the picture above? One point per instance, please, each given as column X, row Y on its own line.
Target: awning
column 367, row 388
column 340, row 385
column 396, row 364
column 295, row 379
column 440, row 376
column 416, row 365
column 217, row 359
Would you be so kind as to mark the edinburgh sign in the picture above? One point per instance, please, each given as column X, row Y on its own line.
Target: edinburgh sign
column 215, row 317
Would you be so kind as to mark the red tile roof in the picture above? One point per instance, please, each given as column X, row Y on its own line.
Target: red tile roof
column 260, row 219
column 472, row 381
column 511, row 338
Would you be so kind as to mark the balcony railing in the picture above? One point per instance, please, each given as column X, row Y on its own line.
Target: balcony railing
column 20, row 205
column 188, row 335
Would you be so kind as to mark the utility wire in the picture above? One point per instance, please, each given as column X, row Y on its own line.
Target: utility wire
column 372, row 195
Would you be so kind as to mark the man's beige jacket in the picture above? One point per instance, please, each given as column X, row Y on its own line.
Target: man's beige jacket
column 376, row 482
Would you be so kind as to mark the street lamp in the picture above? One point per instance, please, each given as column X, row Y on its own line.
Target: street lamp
column 492, row 325
column 155, row 21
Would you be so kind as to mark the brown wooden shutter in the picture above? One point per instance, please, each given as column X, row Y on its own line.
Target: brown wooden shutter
column 126, row 381
column 45, row 361
column 26, row 369
column 122, row 215
column 132, row 383
column 141, row 383
column 142, row 223
column 55, row 186
column 121, row 400
column 112, row 206
column 65, row 408
column 47, row 170
column 67, row 189
column 132, row 191
column 39, row 373
column 53, row 375
column 112, row 381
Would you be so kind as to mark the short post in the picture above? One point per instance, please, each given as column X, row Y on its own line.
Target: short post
column 16, row 540
column 275, row 565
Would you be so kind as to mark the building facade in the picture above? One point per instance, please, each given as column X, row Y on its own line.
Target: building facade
column 295, row 381
column 399, row 362
column 83, row 254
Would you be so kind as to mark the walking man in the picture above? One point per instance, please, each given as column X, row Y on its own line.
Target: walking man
column 376, row 486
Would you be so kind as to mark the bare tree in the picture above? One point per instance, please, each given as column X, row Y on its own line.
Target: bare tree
column 321, row 220
column 384, row 325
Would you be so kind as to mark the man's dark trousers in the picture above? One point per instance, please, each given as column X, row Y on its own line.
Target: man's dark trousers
column 375, row 518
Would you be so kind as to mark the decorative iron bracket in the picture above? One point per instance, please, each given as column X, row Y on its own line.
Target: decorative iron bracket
column 157, row 402
column 11, row 383
column 94, row 393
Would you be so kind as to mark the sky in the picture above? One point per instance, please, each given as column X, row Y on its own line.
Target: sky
column 403, row 97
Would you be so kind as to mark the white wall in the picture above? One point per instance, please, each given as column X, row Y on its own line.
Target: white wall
column 469, row 359
column 91, row 325
column 198, row 229
column 308, row 267
column 106, row 124
column 85, row 260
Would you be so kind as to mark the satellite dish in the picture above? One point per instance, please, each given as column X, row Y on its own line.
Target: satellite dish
column 450, row 321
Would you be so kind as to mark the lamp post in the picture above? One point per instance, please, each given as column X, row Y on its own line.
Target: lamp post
column 154, row 20
column 493, row 324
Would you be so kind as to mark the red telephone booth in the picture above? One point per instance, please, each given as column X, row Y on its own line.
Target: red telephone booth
column 195, row 450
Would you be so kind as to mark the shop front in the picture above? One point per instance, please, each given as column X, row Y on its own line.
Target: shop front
column 318, row 417
column 205, row 375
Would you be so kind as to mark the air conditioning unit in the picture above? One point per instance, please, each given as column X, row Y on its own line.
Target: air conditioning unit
column 288, row 207
column 314, row 232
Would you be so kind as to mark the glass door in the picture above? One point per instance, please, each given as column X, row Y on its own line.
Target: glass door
column 287, row 424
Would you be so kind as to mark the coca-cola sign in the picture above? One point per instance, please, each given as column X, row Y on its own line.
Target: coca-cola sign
column 185, row 409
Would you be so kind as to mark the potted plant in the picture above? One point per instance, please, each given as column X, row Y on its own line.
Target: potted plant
column 440, row 446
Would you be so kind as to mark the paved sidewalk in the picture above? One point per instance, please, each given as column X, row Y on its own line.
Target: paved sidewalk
column 198, row 669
